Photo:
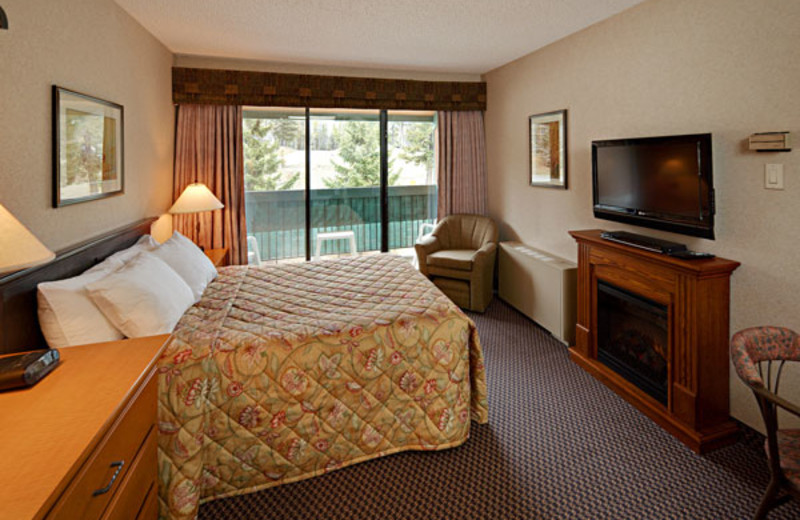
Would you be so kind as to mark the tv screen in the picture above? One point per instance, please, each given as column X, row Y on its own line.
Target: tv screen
column 657, row 182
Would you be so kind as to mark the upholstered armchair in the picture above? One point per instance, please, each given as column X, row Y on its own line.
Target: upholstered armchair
column 754, row 351
column 458, row 257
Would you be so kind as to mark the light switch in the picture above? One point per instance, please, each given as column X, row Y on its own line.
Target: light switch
column 773, row 176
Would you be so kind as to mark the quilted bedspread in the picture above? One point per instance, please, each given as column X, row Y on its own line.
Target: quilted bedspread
column 282, row 373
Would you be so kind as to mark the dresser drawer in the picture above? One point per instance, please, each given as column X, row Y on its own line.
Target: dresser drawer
column 133, row 491
column 149, row 509
column 95, row 485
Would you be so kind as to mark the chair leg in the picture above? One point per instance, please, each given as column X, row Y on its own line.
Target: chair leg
column 769, row 497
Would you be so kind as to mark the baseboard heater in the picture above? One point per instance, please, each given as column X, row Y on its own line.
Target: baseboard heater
column 541, row 286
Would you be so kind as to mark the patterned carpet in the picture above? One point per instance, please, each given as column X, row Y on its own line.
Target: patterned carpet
column 559, row 445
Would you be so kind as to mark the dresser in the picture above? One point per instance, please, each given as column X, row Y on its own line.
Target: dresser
column 82, row 443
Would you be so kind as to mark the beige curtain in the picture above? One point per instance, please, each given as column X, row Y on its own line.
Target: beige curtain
column 209, row 149
column 462, row 163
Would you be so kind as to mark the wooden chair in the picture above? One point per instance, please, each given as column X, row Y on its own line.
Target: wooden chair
column 759, row 355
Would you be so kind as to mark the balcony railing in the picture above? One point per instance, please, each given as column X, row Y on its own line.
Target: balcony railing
column 277, row 218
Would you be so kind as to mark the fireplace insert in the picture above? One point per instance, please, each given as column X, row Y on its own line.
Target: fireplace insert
column 632, row 338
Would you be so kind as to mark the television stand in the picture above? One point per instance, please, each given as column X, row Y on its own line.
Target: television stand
column 691, row 300
column 655, row 245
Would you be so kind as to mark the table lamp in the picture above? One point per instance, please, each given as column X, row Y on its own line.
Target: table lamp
column 19, row 249
column 196, row 198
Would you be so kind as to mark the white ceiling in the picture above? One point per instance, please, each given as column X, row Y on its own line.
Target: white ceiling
column 447, row 36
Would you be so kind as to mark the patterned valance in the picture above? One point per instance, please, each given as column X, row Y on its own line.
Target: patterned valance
column 238, row 87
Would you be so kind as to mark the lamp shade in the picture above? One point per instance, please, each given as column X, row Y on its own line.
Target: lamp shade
column 19, row 249
column 196, row 198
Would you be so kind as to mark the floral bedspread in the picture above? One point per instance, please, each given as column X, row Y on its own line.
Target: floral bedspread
column 283, row 373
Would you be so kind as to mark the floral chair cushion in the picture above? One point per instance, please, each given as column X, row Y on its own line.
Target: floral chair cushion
column 789, row 448
column 793, row 476
column 750, row 346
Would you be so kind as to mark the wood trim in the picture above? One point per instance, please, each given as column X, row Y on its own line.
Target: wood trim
column 704, row 267
column 251, row 88
column 699, row 441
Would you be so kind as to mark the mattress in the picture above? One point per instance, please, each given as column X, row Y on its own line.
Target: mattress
column 283, row 373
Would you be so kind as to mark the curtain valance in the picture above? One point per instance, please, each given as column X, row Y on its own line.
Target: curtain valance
column 236, row 87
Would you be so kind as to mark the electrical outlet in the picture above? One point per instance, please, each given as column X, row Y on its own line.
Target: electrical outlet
column 773, row 176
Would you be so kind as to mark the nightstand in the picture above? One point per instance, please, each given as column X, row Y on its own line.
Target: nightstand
column 82, row 443
column 218, row 257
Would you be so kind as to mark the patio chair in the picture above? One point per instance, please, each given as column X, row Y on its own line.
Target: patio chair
column 253, row 254
column 754, row 351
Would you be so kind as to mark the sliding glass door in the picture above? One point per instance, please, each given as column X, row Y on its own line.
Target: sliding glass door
column 274, row 171
column 345, row 182
column 337, row 182
column 412, row 178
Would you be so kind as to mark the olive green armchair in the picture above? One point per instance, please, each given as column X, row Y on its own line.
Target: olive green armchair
column 459, row 256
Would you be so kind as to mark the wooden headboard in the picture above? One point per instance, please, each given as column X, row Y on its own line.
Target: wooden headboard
column 19, row 321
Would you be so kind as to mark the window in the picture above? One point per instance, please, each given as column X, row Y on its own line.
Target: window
column 274, row 173
column 320, row 171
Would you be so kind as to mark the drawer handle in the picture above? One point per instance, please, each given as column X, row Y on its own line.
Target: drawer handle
column 106, row 489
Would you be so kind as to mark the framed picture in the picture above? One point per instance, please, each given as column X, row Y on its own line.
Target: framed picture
column 548, row 149
column 88, row 148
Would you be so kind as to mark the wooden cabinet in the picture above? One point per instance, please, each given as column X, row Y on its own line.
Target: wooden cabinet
column 218, row 257
column 82, row 443
column 696, row 296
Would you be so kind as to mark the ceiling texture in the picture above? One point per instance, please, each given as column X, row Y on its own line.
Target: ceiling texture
column 444, row 36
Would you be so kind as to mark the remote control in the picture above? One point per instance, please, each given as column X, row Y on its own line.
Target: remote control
column 691, row 255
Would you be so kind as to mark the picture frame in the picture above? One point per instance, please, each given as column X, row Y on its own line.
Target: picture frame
column 548, row 149
column 88, row 148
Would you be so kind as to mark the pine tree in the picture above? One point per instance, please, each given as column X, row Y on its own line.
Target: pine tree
column 288, row 132
column 262, row 158
column 360, row 153
column 418, row 147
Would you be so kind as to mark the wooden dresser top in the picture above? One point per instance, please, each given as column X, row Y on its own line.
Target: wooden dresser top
column 48, row 431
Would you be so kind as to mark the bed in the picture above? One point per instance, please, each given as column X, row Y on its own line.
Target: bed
column 282, row 373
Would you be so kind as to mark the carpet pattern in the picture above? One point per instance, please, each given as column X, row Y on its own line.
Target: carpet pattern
column 559, row 445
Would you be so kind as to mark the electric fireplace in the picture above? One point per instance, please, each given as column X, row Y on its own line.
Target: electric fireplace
column 632, row 338
column 655, row 329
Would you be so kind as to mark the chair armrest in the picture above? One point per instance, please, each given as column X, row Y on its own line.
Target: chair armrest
column 424, row 247
column 428, row 244
column 485, row 253
column 778, row 400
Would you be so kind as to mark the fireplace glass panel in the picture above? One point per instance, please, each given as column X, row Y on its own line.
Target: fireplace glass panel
column 632, row 338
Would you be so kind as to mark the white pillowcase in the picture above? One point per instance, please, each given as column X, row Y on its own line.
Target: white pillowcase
column 123, row 256
column 142, row 298
column 182, row 255
column 68, row 316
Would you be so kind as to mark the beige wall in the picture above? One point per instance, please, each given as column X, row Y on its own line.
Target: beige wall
column 203, row 62
column 94, row 47
column 729, row 67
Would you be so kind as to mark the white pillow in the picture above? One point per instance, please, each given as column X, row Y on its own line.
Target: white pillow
column 123, row 256
column 188, row 261
column 142, row 298
column 68, row 316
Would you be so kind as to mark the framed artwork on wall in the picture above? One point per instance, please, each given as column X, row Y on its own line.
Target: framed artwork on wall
column 88, row 148
column 548, row 149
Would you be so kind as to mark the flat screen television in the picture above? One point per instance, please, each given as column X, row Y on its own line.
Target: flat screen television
column 656, row 182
